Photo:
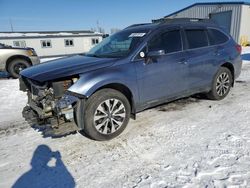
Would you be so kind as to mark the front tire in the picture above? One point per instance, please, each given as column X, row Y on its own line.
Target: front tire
column 16, row 66
column 221, row 85
column 106, row 115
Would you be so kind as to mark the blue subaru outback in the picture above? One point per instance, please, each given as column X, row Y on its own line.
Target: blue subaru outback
column 142, row 66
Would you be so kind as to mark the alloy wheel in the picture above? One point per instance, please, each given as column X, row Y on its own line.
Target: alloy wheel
column 109, row 116
column 222, row 84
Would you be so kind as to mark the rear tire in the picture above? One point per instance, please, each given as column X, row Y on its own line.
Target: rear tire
column 221, row 85
column 16, row 66
column 106, row 115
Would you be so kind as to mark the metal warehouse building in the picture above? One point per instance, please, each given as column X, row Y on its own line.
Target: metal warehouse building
column 234, row 17
column 53, row 43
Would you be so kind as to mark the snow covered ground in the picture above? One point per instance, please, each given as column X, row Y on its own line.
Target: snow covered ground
column 188, row 143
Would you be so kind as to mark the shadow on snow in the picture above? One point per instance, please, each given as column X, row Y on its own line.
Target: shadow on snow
column 42, row 174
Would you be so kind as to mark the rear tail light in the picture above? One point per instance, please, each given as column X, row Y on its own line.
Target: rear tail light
column 238, row 48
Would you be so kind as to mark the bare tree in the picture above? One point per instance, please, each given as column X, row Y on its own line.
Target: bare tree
column 101, row 30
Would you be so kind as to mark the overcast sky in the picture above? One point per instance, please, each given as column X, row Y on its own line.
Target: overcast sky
column 34, row 15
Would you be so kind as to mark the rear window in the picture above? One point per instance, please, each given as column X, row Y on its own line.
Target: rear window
column 196, row 38
column 216, row 37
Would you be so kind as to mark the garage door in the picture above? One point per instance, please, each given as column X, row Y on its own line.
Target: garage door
column 223, row 19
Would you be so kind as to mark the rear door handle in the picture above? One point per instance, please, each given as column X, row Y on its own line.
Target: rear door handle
column 217, row 53
column 183, row 61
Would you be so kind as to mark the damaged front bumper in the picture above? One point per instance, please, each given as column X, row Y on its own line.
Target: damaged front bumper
column 50, row 107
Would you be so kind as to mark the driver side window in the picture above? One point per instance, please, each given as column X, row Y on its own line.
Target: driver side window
column 169, row 41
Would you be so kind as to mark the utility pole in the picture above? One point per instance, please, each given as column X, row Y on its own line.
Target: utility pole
column 98, row 27
column 11, row 26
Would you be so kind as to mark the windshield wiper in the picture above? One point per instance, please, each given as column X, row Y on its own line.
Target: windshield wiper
column 115, row 54
column 102, row 56
column 92, row 55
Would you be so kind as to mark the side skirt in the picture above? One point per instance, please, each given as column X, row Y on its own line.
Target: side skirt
column 154, row 103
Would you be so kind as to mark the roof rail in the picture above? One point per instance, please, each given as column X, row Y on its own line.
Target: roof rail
column 182, row 20
column 134, row 25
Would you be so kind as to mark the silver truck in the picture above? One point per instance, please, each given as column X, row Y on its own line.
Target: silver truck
column 14, row 60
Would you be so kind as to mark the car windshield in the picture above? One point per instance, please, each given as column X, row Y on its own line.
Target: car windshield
column 118, row 45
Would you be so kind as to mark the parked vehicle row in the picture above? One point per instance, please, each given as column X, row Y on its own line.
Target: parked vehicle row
column 137, row 68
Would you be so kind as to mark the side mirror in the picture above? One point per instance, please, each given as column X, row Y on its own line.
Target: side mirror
column 156, row 53
column 152, row 54
column 142, row 54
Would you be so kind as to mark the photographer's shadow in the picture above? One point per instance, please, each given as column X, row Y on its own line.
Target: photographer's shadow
column 42, row 175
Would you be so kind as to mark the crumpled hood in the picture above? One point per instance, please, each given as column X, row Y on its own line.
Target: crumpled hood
column 65, row 67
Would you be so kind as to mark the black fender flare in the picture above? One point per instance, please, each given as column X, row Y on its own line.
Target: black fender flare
column 79, row 113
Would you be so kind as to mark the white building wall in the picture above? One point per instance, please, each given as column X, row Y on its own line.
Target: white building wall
column 245, row 22
column 58, row 48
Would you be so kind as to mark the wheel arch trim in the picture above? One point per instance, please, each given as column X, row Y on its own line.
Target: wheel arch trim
column 81, row 103
column 87, row 88
column 230, row 66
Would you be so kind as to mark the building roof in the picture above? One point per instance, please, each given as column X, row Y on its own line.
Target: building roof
column 47, row 34
column 63, row 31
column 210, row 3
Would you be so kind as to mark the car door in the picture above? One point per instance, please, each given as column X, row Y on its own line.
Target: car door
column 200, row 58
column 162, row 76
